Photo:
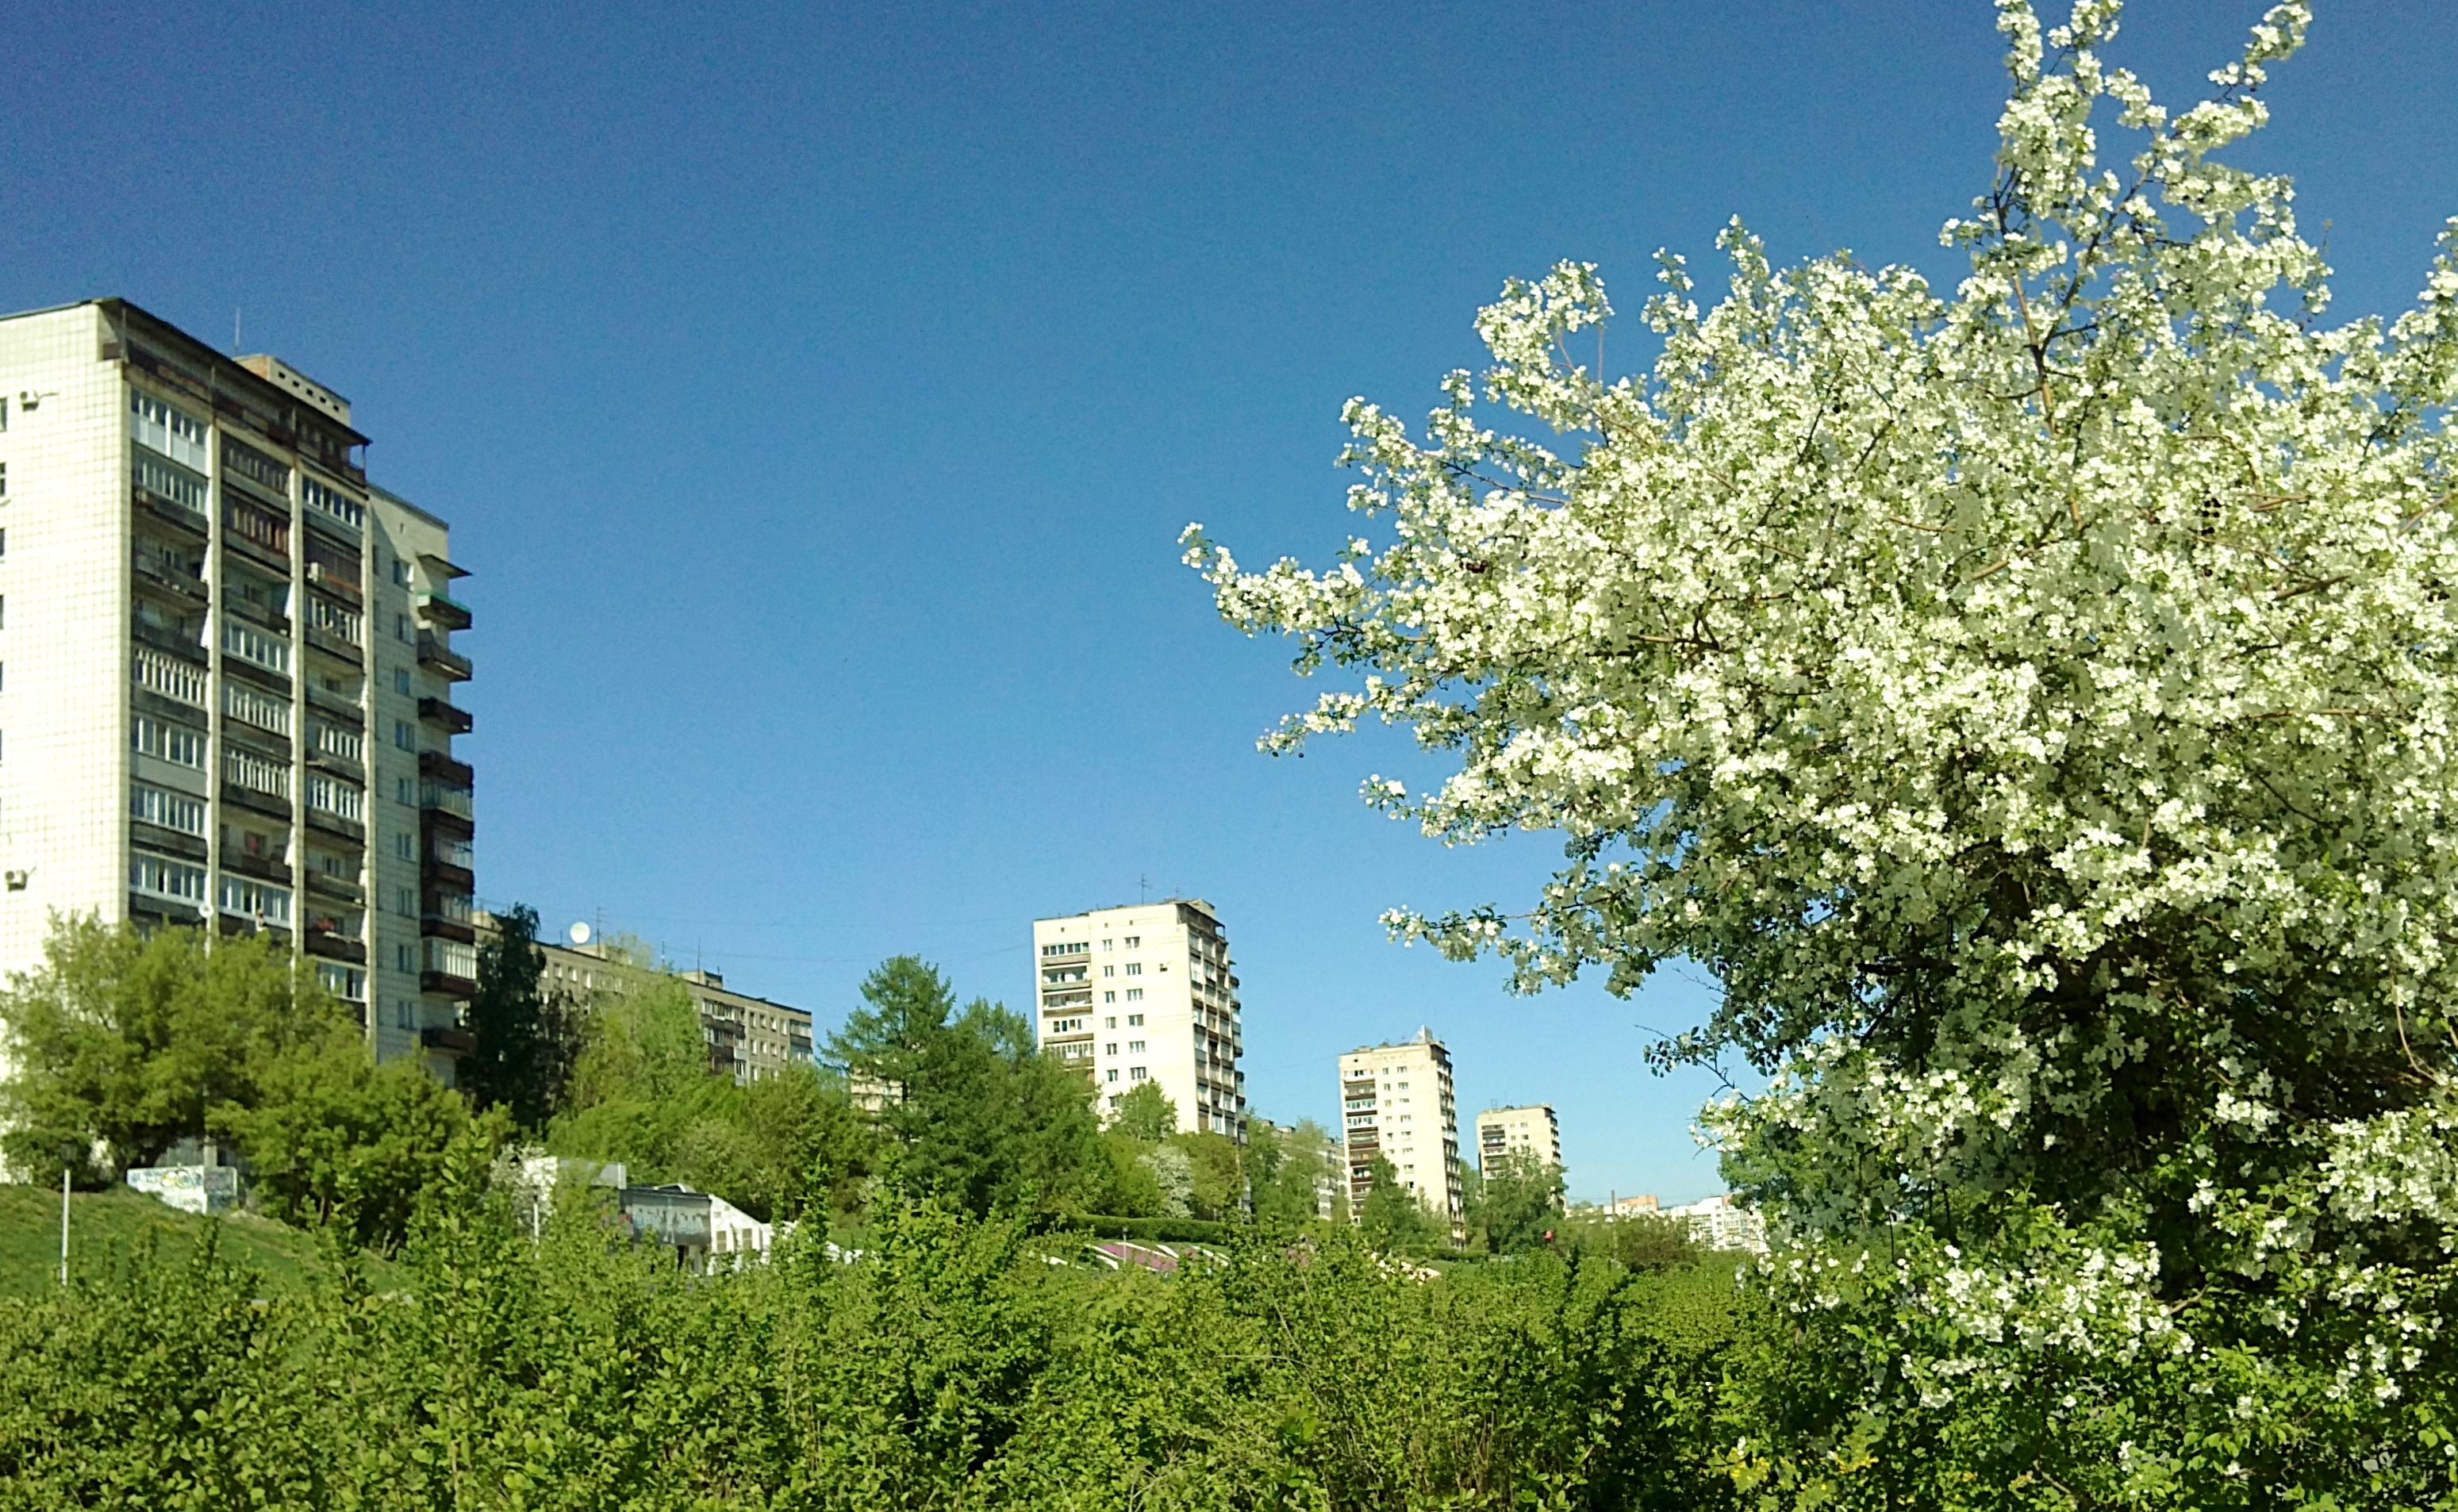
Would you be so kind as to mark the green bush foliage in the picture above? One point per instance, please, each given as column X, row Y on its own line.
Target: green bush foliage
column 950, row 1365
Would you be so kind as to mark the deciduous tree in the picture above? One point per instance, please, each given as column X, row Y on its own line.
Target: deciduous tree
column 2033, row 701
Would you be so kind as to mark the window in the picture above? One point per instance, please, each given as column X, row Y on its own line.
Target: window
column 1134, row 968
column 405, row 846
column 1138, row 1074
column 1110, row 1023
column 254, row 773
column 174, row 433
column 1113, row 1076
column 1135, row 994
column 250, row 644
column 1109, row 971
column 1135, row 1047
column 401, row 571
column 245, row 703
column 1132, row 941
column 335, row 741
column 164, row 741
column 173, row 811
column 333, row 502
column 1109, row 944
column 1134, row 1021
column 405, row 792
column 405, row 901
column 1109, row 1049
column 405, row 959
column 401, row 680
column 336, row 797
column 404, row 734
column 166, row 878
column 1064, row 947
column 333, row 619
column 4, row 534
column 181, row 487
column 401, row 627
column 1109, row 997
column 250, row 898
column 255, row 467
column 346, row 982
column 405, row 1013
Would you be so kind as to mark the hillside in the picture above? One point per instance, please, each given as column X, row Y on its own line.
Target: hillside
column 104, row 1224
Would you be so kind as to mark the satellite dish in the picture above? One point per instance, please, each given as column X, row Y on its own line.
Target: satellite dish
column 579, row 934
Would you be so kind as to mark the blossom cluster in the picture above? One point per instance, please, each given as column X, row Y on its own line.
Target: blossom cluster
column 2033, row 701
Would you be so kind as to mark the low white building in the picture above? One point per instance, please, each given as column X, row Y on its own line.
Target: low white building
column 1719, row 1222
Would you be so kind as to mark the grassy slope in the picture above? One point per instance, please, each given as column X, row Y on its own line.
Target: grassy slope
column 105, row 1223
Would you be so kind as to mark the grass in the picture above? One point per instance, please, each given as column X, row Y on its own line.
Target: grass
column 106, row 1225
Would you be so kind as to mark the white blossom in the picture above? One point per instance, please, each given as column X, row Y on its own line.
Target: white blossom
column 2033, row 701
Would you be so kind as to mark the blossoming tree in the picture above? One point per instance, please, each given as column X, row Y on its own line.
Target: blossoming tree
column 2033, row 701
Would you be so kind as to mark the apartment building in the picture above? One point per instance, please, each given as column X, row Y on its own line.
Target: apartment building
column 226, row 670
column 1529, row 1131
column 749, row 1038
column 1396, row 1104
column 1138, row 994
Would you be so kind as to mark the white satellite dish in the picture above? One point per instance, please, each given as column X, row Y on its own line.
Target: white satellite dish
column 579, row 934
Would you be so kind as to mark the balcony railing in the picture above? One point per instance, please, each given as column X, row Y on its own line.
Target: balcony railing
column 433, row 652
column 455, row 802
column 454, row 719
column 440, row 610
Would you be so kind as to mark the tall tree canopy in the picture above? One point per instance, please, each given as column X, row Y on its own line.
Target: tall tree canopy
column 119, row 1045
column 524, row 1035
column 2035, row 700
column 978, row 1116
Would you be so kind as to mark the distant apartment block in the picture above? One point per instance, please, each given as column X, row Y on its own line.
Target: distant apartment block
column 1719, row 1222
column 226, row 671
column 749, row 1038
column 1397, row 1104
column 1531, row 1131
column 1139, row 994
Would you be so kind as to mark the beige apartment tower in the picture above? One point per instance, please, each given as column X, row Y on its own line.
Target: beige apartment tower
column 1141, row 994
column 1396, row 1104
column 1531, row 1131
column 226, row 670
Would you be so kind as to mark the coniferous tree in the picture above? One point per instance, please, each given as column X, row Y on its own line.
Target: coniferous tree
column 527, row 1036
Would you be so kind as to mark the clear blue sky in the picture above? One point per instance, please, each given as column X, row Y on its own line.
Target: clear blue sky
column 816, row 394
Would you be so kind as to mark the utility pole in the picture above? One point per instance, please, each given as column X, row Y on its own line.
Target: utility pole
column 64, row 1225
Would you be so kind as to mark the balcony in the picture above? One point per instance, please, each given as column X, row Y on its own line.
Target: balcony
column 342, row 705
column 335, row 645
column 330, row 947
column 263, row 866
column 454, row 720
column 433, row 652
column 449, row 983
column 459, row 879
column 443, row 613
column 180, row 643
column 436, row 798
column 449, row 1038
column 341, row 889
column 170, row 511
column 437, row 767
column 167, row 576
column 332, row 582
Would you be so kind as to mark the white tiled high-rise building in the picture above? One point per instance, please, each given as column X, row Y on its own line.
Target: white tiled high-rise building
column 1529, row 1131
column 1397, row 1104
column 225, row 669
column 1144, row 993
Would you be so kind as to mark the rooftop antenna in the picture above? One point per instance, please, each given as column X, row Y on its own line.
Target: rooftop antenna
column 1143, row 887
column 234, row 340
